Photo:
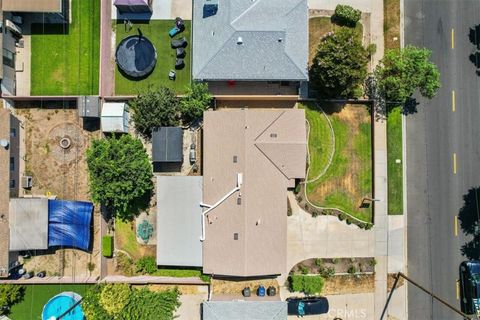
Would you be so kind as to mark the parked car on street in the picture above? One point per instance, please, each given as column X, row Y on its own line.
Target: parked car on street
column 470, row 287
column 307, row 306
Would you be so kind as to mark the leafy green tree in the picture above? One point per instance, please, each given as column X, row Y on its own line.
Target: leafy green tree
column 10, row 294
column 402, row 71
column 155, row 108
column 92, row 309
column 145, row 304
column 346, row 15
column 114, row 298
column 120, row 175
column 340, row 65
column 196, row 101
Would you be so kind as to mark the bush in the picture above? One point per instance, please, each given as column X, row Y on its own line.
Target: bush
column 372, row 262
column 347, row 15
column 303, row 269
column 349, row 221
column 316, row 212
column 335, row 260
column 10, row 294
column 318, row 262
column 107, row 246
column 146, row 265
column 352, row 270
column 197, row 100
column 368, row 226
column 114, row 297
column 327, row 273
column 125, row 264
column 306, row 284
column 342, row 217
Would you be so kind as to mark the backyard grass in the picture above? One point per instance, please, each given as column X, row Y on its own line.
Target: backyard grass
column 348, row 179
column 319, row 27
column 65, row 57
column 395, row 170
column 126, row 240
column 157, row 32
column 391, row 24
column 36, row 296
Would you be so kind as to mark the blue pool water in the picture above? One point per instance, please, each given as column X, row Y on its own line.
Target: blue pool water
column 58, row 305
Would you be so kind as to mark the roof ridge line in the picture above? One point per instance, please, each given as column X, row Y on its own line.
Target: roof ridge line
column 271, row 161
column 243, row 13
column 271, row 124
column 217, row 53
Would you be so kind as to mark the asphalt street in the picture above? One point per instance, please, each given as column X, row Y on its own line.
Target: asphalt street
column 443, row 152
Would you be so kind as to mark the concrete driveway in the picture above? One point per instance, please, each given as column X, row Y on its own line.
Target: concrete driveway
column 190, row 307
column 324, row 237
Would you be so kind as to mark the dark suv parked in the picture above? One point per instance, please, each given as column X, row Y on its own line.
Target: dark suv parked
column 307, row 306
column 470, row 287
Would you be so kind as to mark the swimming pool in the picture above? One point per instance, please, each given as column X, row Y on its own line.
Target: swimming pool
column 61, row 303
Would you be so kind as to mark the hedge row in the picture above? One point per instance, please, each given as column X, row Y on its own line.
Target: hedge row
column 306, row 284
column 347, row 15
column 107, row 246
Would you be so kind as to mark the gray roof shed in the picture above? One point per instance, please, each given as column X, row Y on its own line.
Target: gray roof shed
column 243, row 310
column 167, row 144
column 179, row 220
column 250, row 40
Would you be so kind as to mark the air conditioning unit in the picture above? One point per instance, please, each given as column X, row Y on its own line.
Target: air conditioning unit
column 27, row 182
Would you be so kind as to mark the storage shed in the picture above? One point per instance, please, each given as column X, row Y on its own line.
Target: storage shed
column 133, row 6
column 115, row 117
column 167, row 148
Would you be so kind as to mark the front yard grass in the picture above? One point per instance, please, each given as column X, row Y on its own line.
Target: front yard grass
column 36, row 296
column 395, row 170
column 348, row 179
column 157, row 32
column 319, row 27
column 391, row 24
column 65, row 57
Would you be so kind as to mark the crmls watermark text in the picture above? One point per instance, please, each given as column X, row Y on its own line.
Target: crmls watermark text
column 345, row 314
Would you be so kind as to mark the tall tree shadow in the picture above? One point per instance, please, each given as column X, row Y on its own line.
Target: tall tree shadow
column 469, row 217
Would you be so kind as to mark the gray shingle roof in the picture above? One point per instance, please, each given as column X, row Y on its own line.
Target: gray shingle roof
column 274, row 37
column 167, row 144
column 243, row 310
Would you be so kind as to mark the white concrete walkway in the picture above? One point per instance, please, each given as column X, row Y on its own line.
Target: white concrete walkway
column 323, row 237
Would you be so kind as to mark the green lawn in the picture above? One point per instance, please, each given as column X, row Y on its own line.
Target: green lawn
column 65, row 58
column 157, row 32
column 349, row 177
column 395, row 170
column 36, row 296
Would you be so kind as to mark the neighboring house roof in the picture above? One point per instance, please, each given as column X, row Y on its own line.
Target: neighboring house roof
column 240, row 310
column 179, row 221
column 114, row 117
column 28, row 224
column 4, row 193
column 32, row 5
column 246, row 233
column 273, row 36
column 167, row 144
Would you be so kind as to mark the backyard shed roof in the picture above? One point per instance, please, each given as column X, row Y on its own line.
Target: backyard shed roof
column 133, row 5
column 167, row 144
column 240, row 310
column 250, row 40
column 32, row 5
column 115, row 117
column 179, row 224
column 246, row 234
column 28, row 224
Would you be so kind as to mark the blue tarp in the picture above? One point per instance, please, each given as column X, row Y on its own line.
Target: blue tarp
column 69, row 224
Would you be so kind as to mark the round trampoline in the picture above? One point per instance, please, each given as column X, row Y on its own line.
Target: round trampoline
column 65, row 305
column 136, row 56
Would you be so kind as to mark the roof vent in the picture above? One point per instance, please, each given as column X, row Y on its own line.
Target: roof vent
column 239, row 40
column 235, row 236
column 280, row 40
column 273, row 135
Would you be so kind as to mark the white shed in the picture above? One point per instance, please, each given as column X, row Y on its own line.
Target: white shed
column 115, row 117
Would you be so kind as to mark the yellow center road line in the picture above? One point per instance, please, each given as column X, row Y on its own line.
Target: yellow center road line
column 457, row 282
column 453, row 101
column 454, row 163
column 455, row 221
column 453, row 38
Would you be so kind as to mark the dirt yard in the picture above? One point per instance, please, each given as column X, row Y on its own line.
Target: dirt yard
column 236, row 287
column 61, row 172
column 340, row 265
column 347, row 284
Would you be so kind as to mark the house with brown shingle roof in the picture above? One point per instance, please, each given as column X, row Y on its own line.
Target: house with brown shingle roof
column 251, row 158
